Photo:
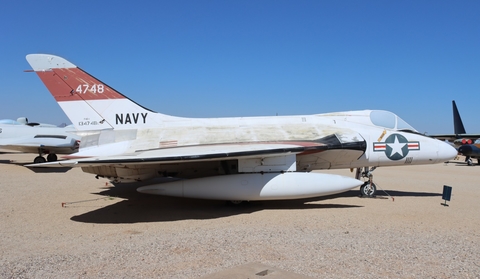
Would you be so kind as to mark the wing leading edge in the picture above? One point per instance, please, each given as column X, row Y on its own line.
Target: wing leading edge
column 190, row 154
column 212, row 152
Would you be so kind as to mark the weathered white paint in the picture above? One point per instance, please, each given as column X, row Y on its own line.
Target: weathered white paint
column 132, row 143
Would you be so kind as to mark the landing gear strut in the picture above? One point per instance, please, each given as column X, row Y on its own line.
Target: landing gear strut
column 470, row 161
column 368, row 189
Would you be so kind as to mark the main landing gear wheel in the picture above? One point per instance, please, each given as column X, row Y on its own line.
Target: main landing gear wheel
column 368, row 189
column 52, row 157
column 39, row 160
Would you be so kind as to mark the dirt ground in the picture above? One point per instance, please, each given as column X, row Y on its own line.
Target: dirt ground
column 67, row 224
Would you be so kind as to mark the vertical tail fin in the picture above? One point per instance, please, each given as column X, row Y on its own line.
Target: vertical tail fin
column 457, row 121
column 89, row 103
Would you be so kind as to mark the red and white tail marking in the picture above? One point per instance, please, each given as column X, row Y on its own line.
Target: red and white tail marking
column 89, row 103
column 73, row 84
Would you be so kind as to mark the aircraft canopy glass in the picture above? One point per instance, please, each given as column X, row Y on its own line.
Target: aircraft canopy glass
column 389, row 120
column 10, row 122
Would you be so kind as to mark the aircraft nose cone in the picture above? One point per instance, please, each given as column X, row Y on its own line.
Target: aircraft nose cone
column 446, row 152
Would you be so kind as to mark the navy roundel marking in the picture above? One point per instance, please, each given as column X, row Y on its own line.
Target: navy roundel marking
column 396, row 147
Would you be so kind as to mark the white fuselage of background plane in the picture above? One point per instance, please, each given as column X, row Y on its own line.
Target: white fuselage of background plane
column 30, row 139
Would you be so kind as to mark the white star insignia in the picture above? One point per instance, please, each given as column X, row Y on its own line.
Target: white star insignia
column 396, row 147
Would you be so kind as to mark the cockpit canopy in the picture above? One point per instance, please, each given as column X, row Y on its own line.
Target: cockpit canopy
column 19, row 121
column 379, row 118
column 389, row 120
column 10, row 122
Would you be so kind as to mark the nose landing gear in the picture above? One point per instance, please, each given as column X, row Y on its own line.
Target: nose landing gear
column 368, row 189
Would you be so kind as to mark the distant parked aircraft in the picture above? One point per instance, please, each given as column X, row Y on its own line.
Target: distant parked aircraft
column 467, row 144
column 40, row 138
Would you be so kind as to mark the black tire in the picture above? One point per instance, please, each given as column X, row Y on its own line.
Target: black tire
column 39, row 160
column 368, row 190
column 234, row 202
column 52, row 157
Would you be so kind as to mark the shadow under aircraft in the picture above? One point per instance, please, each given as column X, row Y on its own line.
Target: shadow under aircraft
column 137, row 207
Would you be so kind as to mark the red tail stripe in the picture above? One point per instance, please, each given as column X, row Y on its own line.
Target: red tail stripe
column 73, row 84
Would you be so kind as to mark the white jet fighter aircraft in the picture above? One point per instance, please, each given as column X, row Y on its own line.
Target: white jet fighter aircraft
column 38, row 138
column 244, row 158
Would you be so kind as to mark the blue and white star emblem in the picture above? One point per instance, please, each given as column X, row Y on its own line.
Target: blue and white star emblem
column 396, row 146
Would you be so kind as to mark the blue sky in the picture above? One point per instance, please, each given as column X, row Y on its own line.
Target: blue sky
column 253, row 58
